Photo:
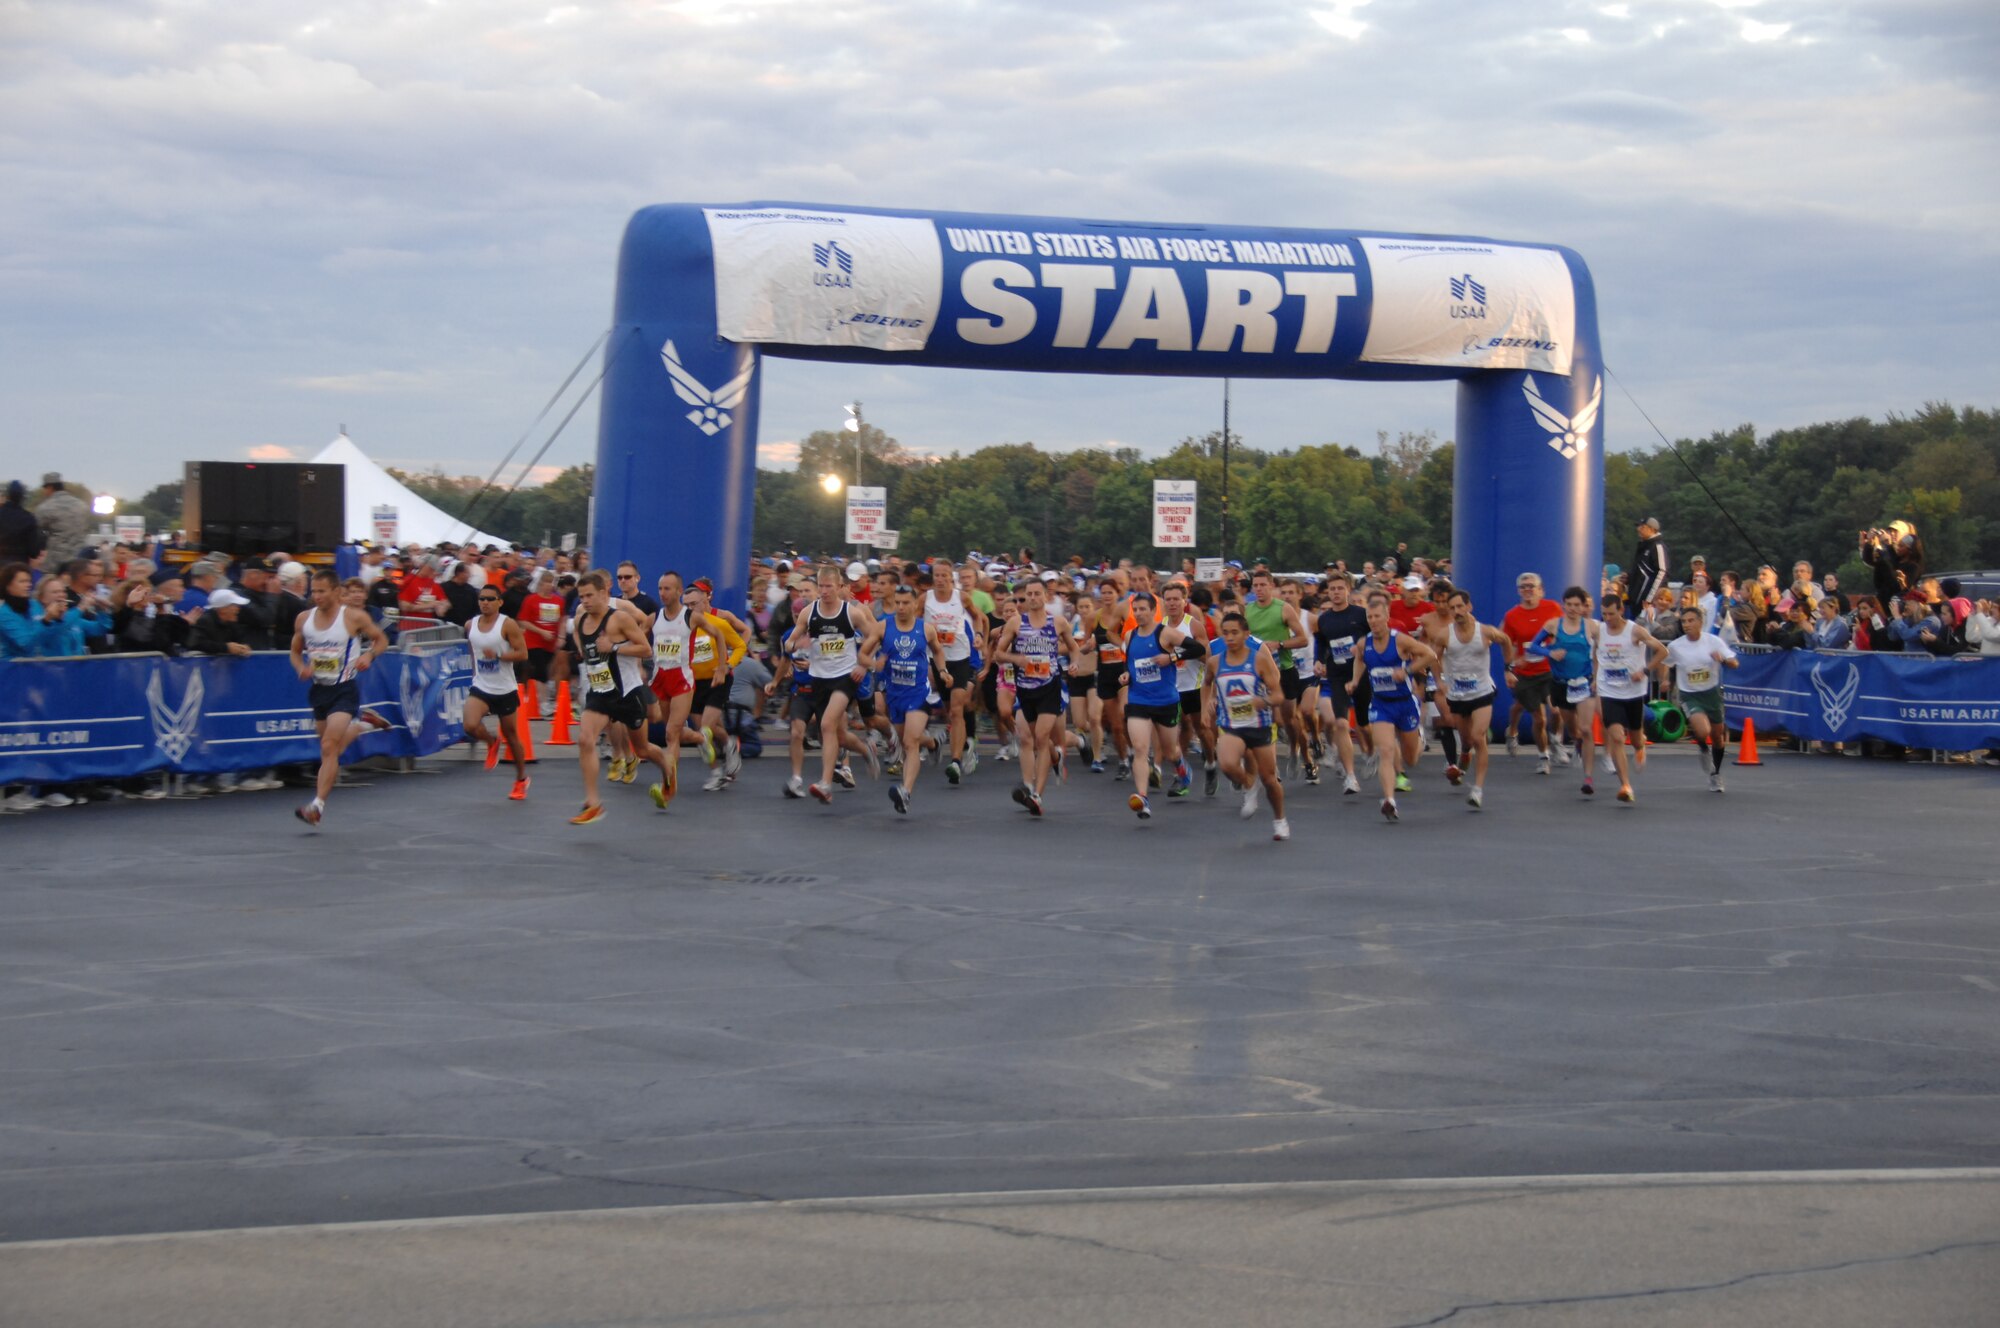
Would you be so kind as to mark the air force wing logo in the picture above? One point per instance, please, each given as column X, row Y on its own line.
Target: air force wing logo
column 1567, row 436
column 711, row 409
column 1836, row 702
column 174, row 726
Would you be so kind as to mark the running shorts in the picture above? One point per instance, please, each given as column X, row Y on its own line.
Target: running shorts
column 1110, row 679
column 342, row 698
column 800, row 707
column 1191, row 704
column 1081, row 685
column 960, row 675
column 1252, row 739
column 1401, row 712
column 628, row 709
column 1036, row 702
column 1533, row 690
column 1628, row 711
column 1334, row 684
column 669, row 683
column 702, row 688
column 1705, row 703
column 902, row 707
column 1467, row 707
column 535, row 668
column 1559, row 693
column 499, row 706
column 825, row 689
column 1291, row 683
column 1168, row 716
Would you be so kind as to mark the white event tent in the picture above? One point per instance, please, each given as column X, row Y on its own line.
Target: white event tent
column 369, row 486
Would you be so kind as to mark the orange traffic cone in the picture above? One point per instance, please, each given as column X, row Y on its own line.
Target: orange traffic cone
column 559, row 735
column 1597, row 729
column 1746, row 750
column 527, row 740
column 531, row 700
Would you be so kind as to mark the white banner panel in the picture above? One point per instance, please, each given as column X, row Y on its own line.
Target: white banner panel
column 867, row 513
column 886, row 540
column 1173, row 514
column 1466, row 304
column 1208, row 569
column 825, row 278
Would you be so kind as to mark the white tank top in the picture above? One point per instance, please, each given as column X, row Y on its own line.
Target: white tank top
column 947, row 618
column 1468, row 665
column 490, row 674
column 671, row 651
column 1621, row 664
column 330, row 651
column 1187, row 675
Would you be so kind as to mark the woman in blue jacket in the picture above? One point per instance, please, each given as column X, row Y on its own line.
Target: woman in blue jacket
column 44, row 626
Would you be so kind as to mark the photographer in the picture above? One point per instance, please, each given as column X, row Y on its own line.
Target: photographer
column 1895, row 558
column 143, row 619
column 1982, row 629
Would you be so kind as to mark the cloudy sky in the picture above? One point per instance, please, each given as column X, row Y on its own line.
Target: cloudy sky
column 227, row 229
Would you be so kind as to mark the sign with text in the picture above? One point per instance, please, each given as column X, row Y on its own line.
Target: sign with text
column 1173, row 514
column 885, row 540
column 569, row 542
column 867, row 513
column 385, row 524
column 1208, row 569
column 131, row 529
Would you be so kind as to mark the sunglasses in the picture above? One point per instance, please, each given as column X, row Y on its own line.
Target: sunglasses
column 489, row 599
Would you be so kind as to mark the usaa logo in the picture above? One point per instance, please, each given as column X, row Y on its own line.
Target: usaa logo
column 1470, row 297
column 835, row 266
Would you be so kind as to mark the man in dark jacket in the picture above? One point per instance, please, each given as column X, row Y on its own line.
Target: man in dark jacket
column 461, row 595
column 1649, row 563
column 221, row 629
column 1895, row 558
column 20, row 533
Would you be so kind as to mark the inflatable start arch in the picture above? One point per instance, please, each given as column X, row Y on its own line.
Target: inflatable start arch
column 703, row 292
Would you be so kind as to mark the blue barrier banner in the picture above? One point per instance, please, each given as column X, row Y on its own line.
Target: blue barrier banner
column 1841, row 696
column 119, row 715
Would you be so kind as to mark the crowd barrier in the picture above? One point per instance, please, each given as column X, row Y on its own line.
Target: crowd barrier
column 113, row 716
column 1950, row 704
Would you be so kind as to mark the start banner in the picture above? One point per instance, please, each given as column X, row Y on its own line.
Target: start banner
column 1841, row 696
column 113, row 716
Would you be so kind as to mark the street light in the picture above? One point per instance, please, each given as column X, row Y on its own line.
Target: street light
column 104, row 504
column 830, row 482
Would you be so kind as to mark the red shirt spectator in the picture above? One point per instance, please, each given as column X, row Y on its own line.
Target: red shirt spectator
column 421, row 597
column 1407, row 615
column 1521, row 623
column 541, row 620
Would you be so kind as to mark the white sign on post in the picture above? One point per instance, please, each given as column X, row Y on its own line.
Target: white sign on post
column 867, row 513
column 131, row 529
column 1173, row 514
column 885, row 540
column 1208, row 569
column 569, row 542
column 385, row 524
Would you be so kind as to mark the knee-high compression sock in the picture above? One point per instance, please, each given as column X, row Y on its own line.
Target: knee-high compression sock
column 1449, row 737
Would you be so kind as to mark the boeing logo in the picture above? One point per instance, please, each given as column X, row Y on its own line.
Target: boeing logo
column 711, row 408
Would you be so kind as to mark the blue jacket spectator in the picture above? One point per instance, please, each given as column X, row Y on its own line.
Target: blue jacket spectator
column 1831, row 632
column 45, row 625
column 1918, row 628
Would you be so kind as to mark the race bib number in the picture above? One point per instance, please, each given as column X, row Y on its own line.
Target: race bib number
column 1037, row 669
column 832, row 647
column 1701, row 679
column 1340, row 649
column 1462, row 685
column 600, row 677
column 547, row 613
column 326, row 669
column 487, row 665
column 668, row 652
column 902, row 673
column 946, row 637
column 1384, row 678
column 1617, row 675
column 1579, row 689
column 1145, row 670
column 704, row 649
column 1242, row 712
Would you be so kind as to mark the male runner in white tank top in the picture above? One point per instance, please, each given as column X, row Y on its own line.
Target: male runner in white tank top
column 1465, row 647
column 497, row 643
column 945, row 615
column 324, row 654
column 1627, row 655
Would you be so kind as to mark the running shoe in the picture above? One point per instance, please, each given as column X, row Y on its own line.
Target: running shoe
column 708, row 746
column 1183, row 780
column 1718, row 781
column 1097, row 767
column 1606, row 764
column 971, row 759
column 1021, row 794
column 893, row 766
column 1153, row 775
column 1589, row 789
column 520, row 793
column 1062, row 765
column 1124, row 768
column 308, row 813
column 843, row 776
column 1542, row 767
column 1318, row 747
column 1281, row 829
column 1312, row 772
column 1402, row 782
column 1625, row 793
column 660, row 794
column 1513, row 743
column 373, row 720
column 1562, row 753
column 901, row 797
column 1476, row 798
column 1351, row 786
column 1369, row 763
column 631, row 770
column 953, row 772
column 732, row 760
column 795, row 787
column 58, row 798
column 874, row 763
column 1389, row 809
column 492, row 753
column 823, row 793
column 1034, row 804
column 715, row 781
column 588, row 816
column 1454, row 774
column 1211, row 774
column 1141, row 806
column 1002, row 755
column 1249, row 808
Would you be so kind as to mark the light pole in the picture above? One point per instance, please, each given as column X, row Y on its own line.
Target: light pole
column 853, row 425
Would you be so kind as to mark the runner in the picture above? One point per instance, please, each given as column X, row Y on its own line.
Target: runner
column 996, row 678
column 1196, row 719
column 946, row 613
column 1627, row 655
column 1300, row 694
column 720, row 642
column 1110, row 638
column 1152, row 714
column 1278, row 625
column 1083, row 702
column 1465, row 645
column 1569, row 643
column 1387, row 657
column 496, row 641
column 1238, row 682
column 841, row 635
column 1036, row 644
column 326, row 652
column 611, row 648
column 1336, row 629
column 1698, row 657
column 794, row 671
column 678, row 629
column 914, row 659
column 1529, row 678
